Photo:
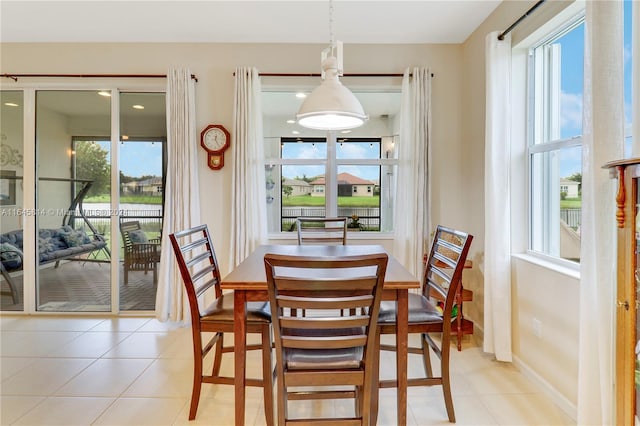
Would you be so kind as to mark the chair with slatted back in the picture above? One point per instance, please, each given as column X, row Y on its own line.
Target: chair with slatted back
column 442, row 275
column 320, row 230
column 324, row 355
column 140, row 252
column 200, row 274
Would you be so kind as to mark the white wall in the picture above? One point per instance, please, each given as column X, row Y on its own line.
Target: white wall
column 53, row 150
column 214, row 65
column 538, row 292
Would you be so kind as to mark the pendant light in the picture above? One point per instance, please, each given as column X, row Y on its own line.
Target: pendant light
column 331, row 106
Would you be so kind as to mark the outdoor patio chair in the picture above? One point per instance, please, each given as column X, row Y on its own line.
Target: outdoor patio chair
column 140, row 252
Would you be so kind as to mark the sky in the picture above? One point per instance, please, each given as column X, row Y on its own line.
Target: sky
column 141, row 159
column 347, row 150
column 138, row 158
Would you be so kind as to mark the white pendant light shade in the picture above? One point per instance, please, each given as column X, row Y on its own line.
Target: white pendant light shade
column 331, row 106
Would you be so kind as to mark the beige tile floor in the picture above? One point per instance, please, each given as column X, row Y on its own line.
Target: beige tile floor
column 137, row 371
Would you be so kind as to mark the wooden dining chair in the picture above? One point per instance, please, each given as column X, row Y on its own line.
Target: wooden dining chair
column 200, row 274
column 321, row 230
column 442, row 275
column 324, row 355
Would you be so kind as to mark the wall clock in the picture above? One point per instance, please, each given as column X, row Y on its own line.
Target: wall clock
column 215, row 140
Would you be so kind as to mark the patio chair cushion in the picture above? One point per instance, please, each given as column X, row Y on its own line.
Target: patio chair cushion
column 11, row 256
column 138, row 237
column 75, row 238
column 53, row 245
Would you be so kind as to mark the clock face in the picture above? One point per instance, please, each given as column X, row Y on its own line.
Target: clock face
column 215, row 139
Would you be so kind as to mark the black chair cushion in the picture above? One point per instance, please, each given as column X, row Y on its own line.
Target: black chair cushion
column 221, row 309
column 421, row 310
column 324, row 359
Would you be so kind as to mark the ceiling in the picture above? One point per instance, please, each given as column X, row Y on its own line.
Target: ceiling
column 242, row 21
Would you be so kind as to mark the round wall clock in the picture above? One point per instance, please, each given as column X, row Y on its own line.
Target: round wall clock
column 215, row 140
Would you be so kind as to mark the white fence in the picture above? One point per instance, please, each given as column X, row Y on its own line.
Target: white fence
column 369, row 217
column 571, row 217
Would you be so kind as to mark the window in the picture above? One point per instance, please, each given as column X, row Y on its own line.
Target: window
column 305, row 170
column 628, row 60
column 555, row 142
column 328, row 174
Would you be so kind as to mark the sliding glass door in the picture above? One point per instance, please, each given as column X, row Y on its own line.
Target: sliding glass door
column 141, row 168
column 73, row 249
column 11, row 200
column 90, row 182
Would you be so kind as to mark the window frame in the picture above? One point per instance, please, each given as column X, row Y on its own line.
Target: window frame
column 331, row 164
column 539, row 135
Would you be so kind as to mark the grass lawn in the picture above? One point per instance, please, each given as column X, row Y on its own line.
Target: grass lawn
column 571, row 203
column 126, row 199
column 309, row 201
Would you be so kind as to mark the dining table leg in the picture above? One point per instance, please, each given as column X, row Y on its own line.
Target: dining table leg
column 402, row 349
column 240, row 352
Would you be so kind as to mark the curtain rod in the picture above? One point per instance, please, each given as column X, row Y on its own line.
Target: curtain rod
column 15, row 77
column 272, row 74
column 520, row 19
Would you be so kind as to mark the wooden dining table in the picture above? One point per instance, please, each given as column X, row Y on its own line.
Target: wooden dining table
column 249, row 283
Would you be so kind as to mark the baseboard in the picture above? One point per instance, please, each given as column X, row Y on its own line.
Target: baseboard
column 478, row 333
column 560, row 400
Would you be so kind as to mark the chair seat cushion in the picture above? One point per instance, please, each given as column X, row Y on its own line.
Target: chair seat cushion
column 324, row 359
column 421, row 310
column 221, row 309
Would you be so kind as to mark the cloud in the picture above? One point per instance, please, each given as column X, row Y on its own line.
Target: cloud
column 627, row 54
column 350, row 150
column 300, row 171
column 571, row 112
column 304, row 151
column 570, row 161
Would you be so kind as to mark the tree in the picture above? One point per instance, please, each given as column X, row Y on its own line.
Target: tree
column 92, row 163
column 576, row 177
column 125, row 179
column 287, row 190
column 305, row 178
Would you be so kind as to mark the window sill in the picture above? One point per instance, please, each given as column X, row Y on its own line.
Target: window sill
column 560, row 266
column 351, row 235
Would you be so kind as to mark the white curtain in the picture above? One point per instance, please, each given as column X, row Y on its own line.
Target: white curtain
column 497, row 222
column 248, row 199
column 413, row 185
column 182, row 202
column 603, row 133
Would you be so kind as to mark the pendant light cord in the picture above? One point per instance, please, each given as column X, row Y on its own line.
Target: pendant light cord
column 331, row 34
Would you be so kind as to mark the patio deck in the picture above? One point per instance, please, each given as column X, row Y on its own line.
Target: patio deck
column 84, row 286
